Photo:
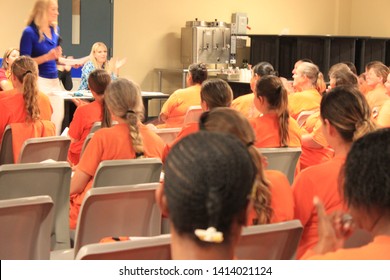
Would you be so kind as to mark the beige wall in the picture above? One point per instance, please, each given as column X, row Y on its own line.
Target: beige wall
column 148, row 32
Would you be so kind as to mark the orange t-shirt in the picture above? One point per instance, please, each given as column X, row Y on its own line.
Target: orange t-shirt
column 378, row 249
column 23, row 131
column 322, row 181
column 376, row 97
column 108, row 144
column 175, row 108
column 245, row 105
column 307, row 100
column 383, row 118
column 13, row 109
column 311, row 156
column 266, row 129
column 282, row 201
column 187, row 130
column 83, row 119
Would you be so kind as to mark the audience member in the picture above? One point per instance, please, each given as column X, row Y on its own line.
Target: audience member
column 366, row 191
column 86, row 115
column 175, row 108
column 345, row 117
column 128, row 139
column 244, row 103
column 5, row 71
column 376, row 75
column 274, row 128
column 205, row 194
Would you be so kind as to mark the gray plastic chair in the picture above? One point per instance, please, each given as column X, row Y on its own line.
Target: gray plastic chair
column 32, row 179
column 277, row 241
column 86, row 142
column 26, row 226
column 115, row 211
column 6, row 149
column 168, row 135
column 44, row 148
column 193, row 114
column 127, row 172
column 150, row 248
column 282, row 159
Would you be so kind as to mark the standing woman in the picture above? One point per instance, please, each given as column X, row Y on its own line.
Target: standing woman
column 274, row 128
column 244, row 103
column 40, row 40
column 129, row 139
column 5, row 71
column 345, row 117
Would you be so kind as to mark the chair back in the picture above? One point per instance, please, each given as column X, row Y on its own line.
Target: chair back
column 32, row 179
column 127, row 172
column 282, row 159
column 118, row 211
column 277, row 241
column 26, row 226
column 6, row 149
column 150, row 248
column 192, row 115
column 168, row 135
column 44, row 148
column 96, row 126
column 86, row 142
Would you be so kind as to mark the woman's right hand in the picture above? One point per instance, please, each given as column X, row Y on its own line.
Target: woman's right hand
column 55, row 53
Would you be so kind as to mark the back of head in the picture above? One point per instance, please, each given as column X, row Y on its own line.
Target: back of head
column 351, row 66
column 313, row 73
column 216, row 93
column 264, row 69
column 98, row 80
column 230, row 121
column 367, row 176
column 348, row 111
column 198, row 72
column 342, row 75
column 124, row 100
column 208, row 180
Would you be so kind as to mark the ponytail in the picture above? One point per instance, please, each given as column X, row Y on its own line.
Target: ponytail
column 132, row 121
column 320, row 84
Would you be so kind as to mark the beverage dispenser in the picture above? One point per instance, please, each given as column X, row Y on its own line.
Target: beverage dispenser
column 207, row 42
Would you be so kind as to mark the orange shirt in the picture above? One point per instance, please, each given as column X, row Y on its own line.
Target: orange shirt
column 175, row 108
column 266, row 129
column 23, row 131
column 245, row 105
column 307, row 100
column 376, row 97
column 13, row 109
column 108, row 144
column 322, row 181
column 187, row 130
column 282, row 201
column 311, row 156
column 383, row 118
column 378, row 249
column 83, row 119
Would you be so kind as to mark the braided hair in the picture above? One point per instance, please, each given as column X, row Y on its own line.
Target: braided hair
column 208, row 185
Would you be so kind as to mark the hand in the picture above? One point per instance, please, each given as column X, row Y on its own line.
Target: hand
column 119, row 63
column 332, row 229
column 55, row 53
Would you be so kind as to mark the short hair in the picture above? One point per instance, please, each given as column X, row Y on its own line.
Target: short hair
column 264, row 69
column 379, row 68
column 366, row 172
column 208, row 181
column 198, row 72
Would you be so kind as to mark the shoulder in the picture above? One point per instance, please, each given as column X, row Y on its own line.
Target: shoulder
column 30, row 31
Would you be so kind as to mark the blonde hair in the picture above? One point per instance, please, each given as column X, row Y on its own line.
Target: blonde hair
column 38, row 16
column 123, row 98
column 7, row 53
column 233, row 122
column 93, row 58
column 25, row 69
column 312, row 72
